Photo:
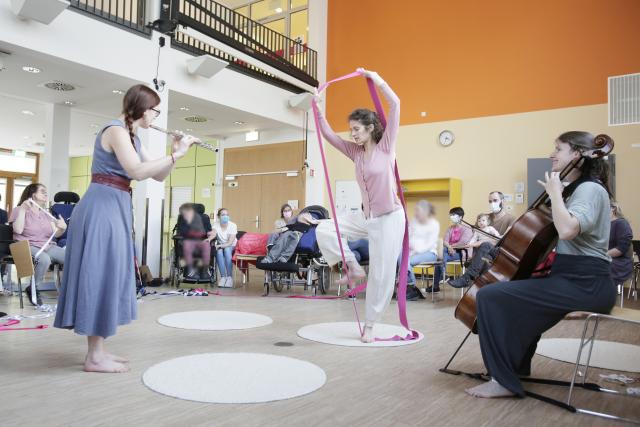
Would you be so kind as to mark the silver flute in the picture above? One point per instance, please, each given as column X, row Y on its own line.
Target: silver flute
column 179, row 134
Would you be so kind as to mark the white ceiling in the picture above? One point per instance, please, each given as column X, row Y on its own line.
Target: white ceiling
column 94, row 104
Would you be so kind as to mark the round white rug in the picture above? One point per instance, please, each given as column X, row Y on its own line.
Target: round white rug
column 214, row 320
column 606, row 354
column 347, row 334
column 234, row 377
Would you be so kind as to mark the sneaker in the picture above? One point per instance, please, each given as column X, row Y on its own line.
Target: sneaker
column 229, row 282
column 192, row 274
column 431, row 289
column 205, row 275
column 38, row 298
column 460, row 282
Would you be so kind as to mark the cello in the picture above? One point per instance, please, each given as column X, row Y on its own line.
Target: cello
column 527, row 243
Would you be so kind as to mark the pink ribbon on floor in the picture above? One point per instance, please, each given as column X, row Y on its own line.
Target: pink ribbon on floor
column 11, row 322
column 404, row 262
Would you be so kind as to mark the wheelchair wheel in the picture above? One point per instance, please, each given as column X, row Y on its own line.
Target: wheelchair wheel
column 324, row 279
column 277, row 282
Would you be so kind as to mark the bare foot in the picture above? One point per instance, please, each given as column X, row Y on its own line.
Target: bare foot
column 116, row 358
column 105, row 365
column 367, row 336
column 490, row 389
column 356, row 273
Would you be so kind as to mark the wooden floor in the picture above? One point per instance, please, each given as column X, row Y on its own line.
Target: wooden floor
column 41, row 382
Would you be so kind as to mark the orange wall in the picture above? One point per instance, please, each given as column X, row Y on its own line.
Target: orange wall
column 469, row 58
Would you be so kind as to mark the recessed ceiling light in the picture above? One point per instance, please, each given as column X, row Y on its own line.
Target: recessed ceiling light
column 26, row 137
column 189, row 130
column 117, row 92
column 278, row 10
column 196, row 119
column 239, row 123
column 28, row 113
column 93, row 125
column 184, row 108
column 69, row 103
column 31, row 69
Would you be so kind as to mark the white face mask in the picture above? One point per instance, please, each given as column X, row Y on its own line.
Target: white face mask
column 455, row 219
column 495, row 207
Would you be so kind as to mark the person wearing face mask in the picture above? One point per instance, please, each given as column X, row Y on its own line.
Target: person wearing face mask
column 513, row 315
column 486, row 252
column 98, row 291
column 499, row 218
column 289, row 230
column 225, row 232
column 373, row 153
column 457, row 236
column 31, row 223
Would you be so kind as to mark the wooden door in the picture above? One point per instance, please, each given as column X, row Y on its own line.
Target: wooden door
column 243, row 202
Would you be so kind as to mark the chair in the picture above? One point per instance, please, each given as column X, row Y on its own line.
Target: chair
column 21, row 255
column 623, row 315
column 65, row 202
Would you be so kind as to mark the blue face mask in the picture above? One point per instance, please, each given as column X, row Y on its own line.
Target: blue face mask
column 224, row 219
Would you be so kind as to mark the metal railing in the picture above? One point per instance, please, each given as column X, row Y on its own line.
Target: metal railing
column 130, row 14
column 241, row 33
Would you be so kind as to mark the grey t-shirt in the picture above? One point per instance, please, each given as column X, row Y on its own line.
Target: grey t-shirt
column 589, row 204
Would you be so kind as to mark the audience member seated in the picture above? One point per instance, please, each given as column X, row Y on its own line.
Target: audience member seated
column 4, row 217
column 485, row 253
column 424, row 230
column 455, row 241
column 197, row 236
column 280, row 225
column 360, row 249
column 34, row 224
column 484, row 224
column 289, row 236
column 620, row 250
column 225, row 233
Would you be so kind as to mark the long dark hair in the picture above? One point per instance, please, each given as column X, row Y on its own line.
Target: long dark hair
column 368, row 117
column 137, row 100
column 591, row 169
column 29, row 191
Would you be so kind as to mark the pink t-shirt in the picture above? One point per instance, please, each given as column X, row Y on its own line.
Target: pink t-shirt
column 37, row 227
column 375, row 176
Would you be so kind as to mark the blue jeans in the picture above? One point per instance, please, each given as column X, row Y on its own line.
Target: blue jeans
column 415, row 260
column 437, row 277
column 225, row 264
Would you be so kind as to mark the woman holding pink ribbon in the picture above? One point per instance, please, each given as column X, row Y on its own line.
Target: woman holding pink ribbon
column 382, row 221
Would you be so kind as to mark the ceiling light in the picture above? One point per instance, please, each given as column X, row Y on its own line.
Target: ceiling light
column 184, row 108
column 252, row 136
column 26, row 137
column 117, row 92
column 30, row 69
column 238, row 122
column 93, row 125
column 58, row 86
column 189, row 130
column 278, row 10
column 196, row 119
column 28, row 113
column 69, row 103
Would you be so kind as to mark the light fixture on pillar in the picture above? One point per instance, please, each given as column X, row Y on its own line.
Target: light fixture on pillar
column 43, row 11
column 205, row 66
column 301, row 102
column 252, row 136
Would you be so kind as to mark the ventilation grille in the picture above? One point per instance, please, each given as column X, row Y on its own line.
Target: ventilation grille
column 624, row 100
column 59, row 86
column 196, row 119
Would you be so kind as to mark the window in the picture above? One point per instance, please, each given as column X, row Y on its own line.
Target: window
column 300, row 26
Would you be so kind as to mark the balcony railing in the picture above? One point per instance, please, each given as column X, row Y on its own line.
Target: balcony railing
column 243, row 34
column 130, row 14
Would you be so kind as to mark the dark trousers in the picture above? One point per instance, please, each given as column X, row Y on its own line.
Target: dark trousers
column 513, row 315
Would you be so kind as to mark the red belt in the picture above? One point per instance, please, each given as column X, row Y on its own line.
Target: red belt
column 115, row 181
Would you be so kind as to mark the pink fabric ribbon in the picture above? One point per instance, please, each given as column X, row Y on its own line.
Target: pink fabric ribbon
column 3, row 326
column 404, row 262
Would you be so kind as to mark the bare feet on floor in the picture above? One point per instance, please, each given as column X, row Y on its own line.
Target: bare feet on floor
column 116, row 358
column 490, row 389
column 367, row 336
column 105, row 365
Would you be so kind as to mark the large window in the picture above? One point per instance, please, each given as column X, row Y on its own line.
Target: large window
column 288, row 17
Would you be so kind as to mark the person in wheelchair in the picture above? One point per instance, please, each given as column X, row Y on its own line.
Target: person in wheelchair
column 197, row 236
column 289, row 235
